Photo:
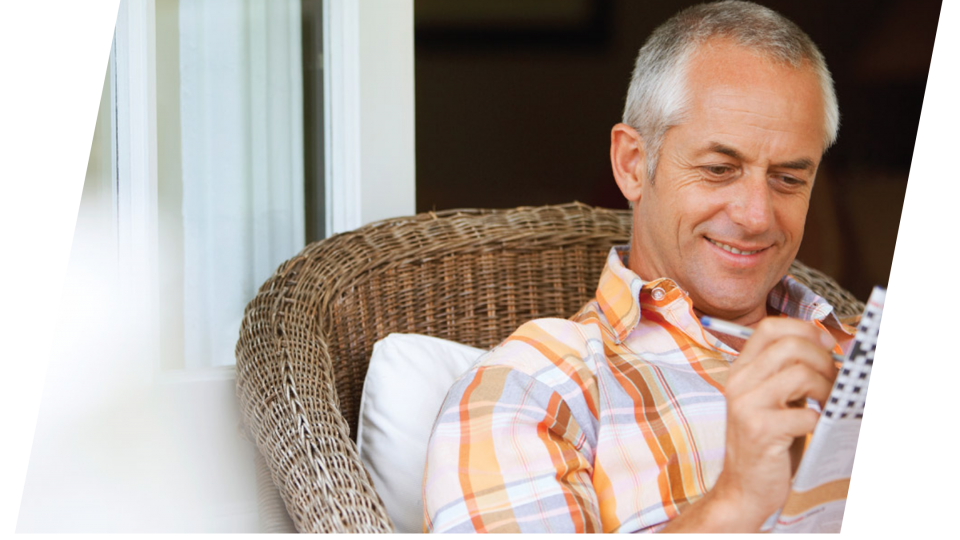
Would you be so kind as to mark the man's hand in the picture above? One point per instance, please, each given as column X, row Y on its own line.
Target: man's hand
column 783, row 362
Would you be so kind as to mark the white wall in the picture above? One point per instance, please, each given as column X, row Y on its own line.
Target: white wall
column 387, row 111
column 369, row 106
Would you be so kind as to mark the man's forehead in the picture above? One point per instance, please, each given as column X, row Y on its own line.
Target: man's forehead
column 731, row 65
column 729, row 86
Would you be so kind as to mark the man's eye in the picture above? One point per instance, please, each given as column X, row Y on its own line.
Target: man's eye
column 791, row 181
column 718, row 170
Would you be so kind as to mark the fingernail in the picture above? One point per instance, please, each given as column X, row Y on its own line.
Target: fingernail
column 827, row 340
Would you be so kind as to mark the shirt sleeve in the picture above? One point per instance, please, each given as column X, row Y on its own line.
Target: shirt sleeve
column 508, row 455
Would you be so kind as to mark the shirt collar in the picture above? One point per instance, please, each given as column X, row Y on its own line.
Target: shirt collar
column 621, row 293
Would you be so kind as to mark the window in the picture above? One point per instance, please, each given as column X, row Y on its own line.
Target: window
column 230, row 134
column 223, row 161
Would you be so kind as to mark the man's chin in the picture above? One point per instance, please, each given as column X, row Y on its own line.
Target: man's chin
column 733, row 306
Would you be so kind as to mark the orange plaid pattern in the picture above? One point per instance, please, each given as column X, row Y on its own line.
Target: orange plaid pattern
column 611, row 421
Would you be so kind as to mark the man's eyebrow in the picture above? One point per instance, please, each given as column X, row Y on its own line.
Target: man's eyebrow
column 800, row 164
column 725, row 150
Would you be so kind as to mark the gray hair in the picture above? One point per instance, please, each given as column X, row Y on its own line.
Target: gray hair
column 657, row 97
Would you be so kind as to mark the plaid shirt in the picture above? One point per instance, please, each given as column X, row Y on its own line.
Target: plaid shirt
column 611, row 421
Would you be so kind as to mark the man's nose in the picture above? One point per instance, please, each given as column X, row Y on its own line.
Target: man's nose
column 752, row 205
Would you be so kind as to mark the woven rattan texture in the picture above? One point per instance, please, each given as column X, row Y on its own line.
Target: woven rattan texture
column 471, row 276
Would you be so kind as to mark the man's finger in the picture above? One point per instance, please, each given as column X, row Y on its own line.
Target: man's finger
column 772, row 329
column 794, row 382
column 779, row 355
column 796, row 422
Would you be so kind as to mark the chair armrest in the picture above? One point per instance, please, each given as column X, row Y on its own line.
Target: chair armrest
column 291, row 410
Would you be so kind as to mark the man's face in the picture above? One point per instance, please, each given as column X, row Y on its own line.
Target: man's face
column 725, row 214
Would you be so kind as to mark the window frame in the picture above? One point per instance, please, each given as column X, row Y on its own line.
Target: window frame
column 369, row 139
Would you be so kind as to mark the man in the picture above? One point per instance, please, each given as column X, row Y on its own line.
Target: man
column 631, row 416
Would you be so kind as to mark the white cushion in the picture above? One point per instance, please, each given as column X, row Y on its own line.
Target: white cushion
column 408, row 378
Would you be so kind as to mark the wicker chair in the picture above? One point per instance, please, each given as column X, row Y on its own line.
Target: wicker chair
column 471, row 276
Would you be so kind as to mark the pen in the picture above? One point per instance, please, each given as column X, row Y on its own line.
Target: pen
column 735, row 330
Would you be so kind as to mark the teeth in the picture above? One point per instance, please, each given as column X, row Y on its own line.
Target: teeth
column 732, row 249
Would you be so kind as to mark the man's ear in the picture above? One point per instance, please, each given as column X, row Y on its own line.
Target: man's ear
column 628, row 160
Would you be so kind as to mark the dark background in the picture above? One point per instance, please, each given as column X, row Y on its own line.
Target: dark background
column 515, row 100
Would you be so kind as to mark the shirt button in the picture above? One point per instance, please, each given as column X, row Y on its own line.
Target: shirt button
column 658, row 294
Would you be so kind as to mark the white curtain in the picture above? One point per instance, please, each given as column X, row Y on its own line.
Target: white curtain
column 241, row 109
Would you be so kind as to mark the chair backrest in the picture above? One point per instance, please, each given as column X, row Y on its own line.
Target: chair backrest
column 471, row 276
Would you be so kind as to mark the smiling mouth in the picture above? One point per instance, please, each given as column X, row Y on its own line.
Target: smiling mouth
column 732, row 249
